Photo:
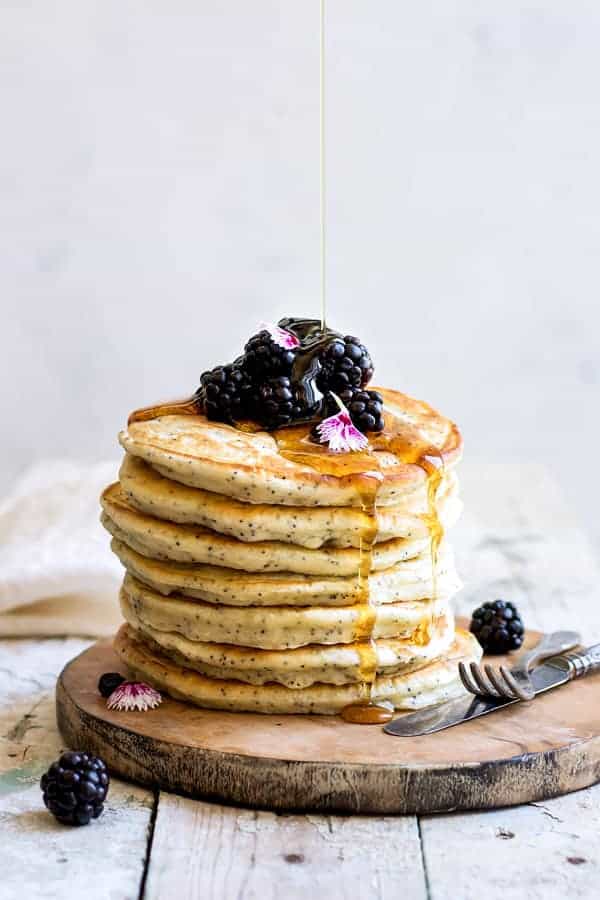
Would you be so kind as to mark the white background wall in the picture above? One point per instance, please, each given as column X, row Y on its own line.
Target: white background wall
column 159, row 197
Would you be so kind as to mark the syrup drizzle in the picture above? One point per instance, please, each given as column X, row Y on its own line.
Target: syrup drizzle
column 363, row 470
column 322, row 171
column 190, row 406
column 307, row 364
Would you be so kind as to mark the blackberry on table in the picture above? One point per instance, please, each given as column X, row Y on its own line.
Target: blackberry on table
column 498, row 627
column 264, row 358
column 345, row 363
column 276, row 403
column 109, row 682
column 365, row 408
column 75, row 787
column 224, row 391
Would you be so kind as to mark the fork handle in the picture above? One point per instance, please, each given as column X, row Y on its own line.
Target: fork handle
column 550, row 645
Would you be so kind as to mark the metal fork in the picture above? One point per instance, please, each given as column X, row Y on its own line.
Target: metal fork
column 515, row 683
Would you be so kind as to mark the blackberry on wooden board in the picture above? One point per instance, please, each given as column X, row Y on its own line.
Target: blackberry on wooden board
column 109, row 682
column 498, row 627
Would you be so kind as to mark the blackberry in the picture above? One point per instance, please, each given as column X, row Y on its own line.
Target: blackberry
column 75, row 787
column 365, row 408
column 109, row 682
column 345, row 363
column 276, row 403
column 264, row 358
column 498, row 627
column 223, row 392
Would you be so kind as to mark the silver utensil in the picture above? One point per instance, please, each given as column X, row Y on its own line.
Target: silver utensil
column 554, row 672
column 515, row 683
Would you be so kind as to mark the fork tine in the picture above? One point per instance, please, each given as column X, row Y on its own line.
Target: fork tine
column 482, row 682
column 519, row 690
column 501, row 686
column 473, row 685
column 466, row 679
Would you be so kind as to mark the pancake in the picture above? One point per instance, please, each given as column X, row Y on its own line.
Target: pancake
column 408, row 581
column 193, row 544
column 297, row 667
column 275, row 627
column 151, row 493
column 432, row 684
column 249, row 466
column 242, row 552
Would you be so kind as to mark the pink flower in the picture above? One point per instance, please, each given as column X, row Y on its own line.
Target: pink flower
column 340, row 433
column 134, row 695
column 280, row 336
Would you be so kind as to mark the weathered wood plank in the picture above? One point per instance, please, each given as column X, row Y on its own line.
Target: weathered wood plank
column 539, row 852
column 518, row 541
column 38, row 857
column 253, row 855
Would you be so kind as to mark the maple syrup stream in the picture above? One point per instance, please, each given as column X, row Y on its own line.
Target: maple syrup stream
column 362, row 469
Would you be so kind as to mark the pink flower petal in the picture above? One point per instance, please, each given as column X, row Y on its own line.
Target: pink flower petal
column 134, row 695
column 280, row 336
column 340, row 433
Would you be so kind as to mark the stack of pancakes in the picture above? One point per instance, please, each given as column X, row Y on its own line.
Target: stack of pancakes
column 259, row 577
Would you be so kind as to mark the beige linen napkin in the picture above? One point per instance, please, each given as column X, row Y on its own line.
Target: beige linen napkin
column 57, row 574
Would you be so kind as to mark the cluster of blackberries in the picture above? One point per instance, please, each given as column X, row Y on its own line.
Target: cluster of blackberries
column 259, row 385
column 75, row 787
column 498, row 627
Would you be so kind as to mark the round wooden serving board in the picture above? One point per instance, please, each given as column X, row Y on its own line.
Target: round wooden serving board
column 524, row 753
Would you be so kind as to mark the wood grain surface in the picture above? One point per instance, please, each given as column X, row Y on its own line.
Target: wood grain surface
column 522, row 753
column 39, row 857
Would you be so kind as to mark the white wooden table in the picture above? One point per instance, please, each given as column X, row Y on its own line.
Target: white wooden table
column 519, row 542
